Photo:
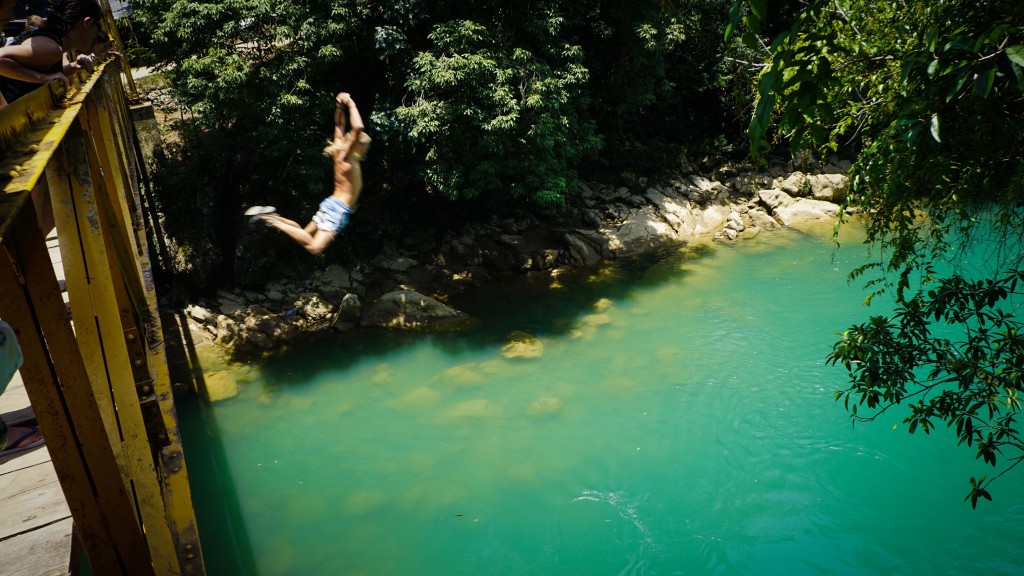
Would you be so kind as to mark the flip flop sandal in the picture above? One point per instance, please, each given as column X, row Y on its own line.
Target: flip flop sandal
column 16, row 446
column 260, row 210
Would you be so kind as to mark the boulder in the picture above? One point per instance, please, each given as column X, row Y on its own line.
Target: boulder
column 394, row 262
column 762, row 220
column 641, row 231
column 705, row 220
column 735, row 222
column 230, row 307
column 789, row 210
column 315, row 309
column 522, row 345
column 199, row 314
column 410, row 310
column 794, row 184
column 334, row 282
column 349, row 309
column 832, row 187
column 544, row 406
column 581, row 251
column 727, row 234
column 673, row 208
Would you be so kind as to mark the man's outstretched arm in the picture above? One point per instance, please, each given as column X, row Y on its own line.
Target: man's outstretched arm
column 347, row 141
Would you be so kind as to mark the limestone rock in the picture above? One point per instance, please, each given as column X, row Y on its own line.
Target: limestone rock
column 523, row 345
column 795, row 184
column 410, row 310
column 705, row 220
column 735, row 222
column 727, row 234
column 762, row 220
column 790, row 211
column 673, row 208
column 230, row 307
column 641, row 231
column 199, row 314
column 315, row 309
column 832, row 187
column 581, row 251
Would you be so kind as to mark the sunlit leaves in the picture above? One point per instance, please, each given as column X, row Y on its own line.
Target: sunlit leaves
column 484, row 111
column 934, row 128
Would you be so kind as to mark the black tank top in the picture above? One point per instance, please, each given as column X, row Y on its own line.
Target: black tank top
column 13, row 89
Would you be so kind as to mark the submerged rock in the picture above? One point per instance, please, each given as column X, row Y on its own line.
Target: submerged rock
column 421, row 397
column 523, row 345
column 544, row 406
column 597, row 319
column 463, row 375
column 478, row 408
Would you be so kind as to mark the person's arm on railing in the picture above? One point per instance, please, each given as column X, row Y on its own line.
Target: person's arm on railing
column 23, row 62
column 13, row 69
column 82, row 62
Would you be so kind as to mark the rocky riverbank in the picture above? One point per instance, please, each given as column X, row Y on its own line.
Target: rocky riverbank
column 401, row 289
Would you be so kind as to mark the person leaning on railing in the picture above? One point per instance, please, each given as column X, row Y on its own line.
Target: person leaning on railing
column 22, row 434
column 72, row 25
column 6, row 13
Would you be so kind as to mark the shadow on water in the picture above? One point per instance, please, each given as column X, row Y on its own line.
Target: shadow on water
column 537, row 304
column 218, row 516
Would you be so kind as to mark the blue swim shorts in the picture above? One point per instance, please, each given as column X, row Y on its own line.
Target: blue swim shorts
column 333, row 215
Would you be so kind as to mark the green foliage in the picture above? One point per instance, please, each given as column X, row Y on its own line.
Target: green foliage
column 486, row 104
column 931, row 95
column 481, row 99
column 495, row 119
column 970, row 381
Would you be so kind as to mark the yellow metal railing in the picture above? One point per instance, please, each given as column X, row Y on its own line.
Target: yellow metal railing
column 100, row 387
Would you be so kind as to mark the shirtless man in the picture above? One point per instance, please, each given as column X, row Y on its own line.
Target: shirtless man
column 347, row 149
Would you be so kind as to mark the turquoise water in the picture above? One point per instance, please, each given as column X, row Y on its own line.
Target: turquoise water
column 679, row 421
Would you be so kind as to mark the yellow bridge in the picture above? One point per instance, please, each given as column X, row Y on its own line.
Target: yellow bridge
column 99, row 384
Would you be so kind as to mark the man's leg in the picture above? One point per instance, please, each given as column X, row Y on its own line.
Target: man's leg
column 310, row 238
column 289, row 227
column 321, row 240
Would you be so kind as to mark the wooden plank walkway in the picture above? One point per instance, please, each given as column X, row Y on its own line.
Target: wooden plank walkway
column 35, row 530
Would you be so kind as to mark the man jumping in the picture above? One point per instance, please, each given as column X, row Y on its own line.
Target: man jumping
column 347, row 148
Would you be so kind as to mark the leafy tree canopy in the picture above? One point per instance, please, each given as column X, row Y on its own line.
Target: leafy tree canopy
column 931, row 95
column 473, row 99
column 482, row 103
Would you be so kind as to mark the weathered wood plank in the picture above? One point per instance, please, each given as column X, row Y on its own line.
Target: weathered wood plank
column 14, row 399
column 30, row 498
column 41, row 552
column 15, row 462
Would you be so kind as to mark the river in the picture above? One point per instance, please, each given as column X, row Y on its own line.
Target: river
column 681, row 420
